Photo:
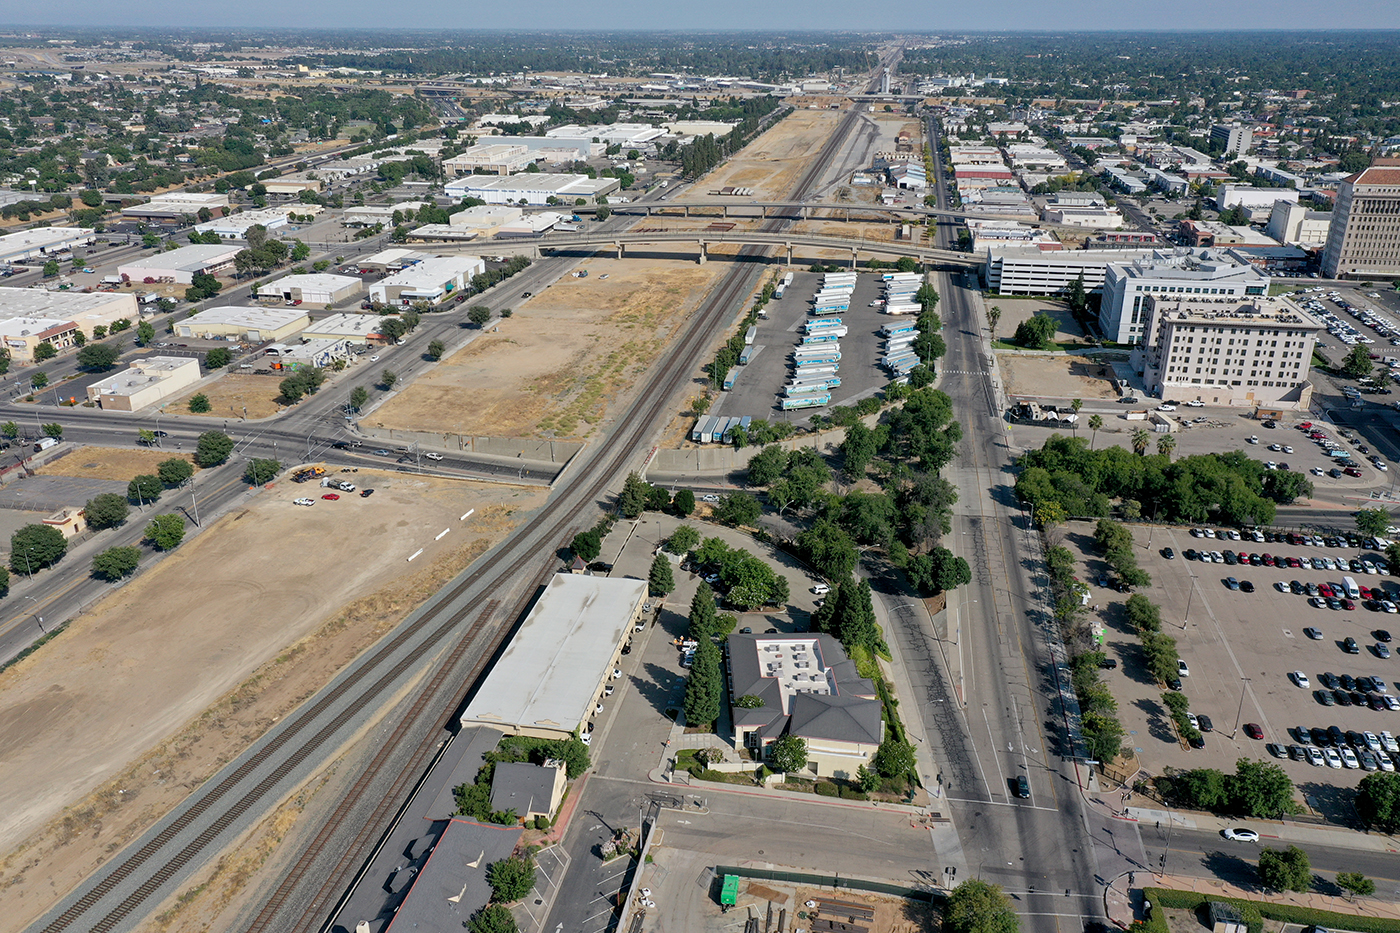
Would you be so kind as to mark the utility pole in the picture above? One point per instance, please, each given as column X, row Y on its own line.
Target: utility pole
column 195, row 502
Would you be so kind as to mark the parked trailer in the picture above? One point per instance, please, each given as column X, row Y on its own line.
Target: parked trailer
column 745, row 355
column 721, row 428
column 824, row 336
column 828, row 382
column 833, row 357
column 816, row 349
column 728, row 436
column 901, row 276
column 807, row 370
column 787, row 279
column 750, row 335
column 902, row 309
column 728, row 381
column 826, row 323
column 892, row 330
column 805, row 388
column 898, row 360
column 807, row 401
column 832, row 309
column 778, row 292
column 703, row 428
column 900, row 340
column 832, row 278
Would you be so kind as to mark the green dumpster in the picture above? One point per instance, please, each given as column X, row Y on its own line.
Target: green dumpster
column 730, row 892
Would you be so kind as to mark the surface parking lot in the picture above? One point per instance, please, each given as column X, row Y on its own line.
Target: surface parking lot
column 1241, row 649
column 758, row 385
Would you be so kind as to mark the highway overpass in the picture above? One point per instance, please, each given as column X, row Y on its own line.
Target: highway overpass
column 791, row 210
column 704, row 239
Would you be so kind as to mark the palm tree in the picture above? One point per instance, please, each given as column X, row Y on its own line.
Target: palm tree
column 993, row 315
column 1141, row 438
column 1165, row 445
column 1095, row 422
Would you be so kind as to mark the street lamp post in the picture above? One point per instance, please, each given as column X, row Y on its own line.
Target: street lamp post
column 1239, row 713
column 1189, row 595
column 194, row 501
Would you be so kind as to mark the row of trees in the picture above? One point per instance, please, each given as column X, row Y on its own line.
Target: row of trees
column 1116, row 541
column 1256, row 788
column 1159, row 649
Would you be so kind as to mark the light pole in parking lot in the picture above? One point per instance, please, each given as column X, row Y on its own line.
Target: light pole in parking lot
column 1190, row 593
column 1244, row 688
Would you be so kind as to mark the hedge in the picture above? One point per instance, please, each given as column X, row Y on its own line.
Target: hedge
column 1255, row 912
column 826, row 789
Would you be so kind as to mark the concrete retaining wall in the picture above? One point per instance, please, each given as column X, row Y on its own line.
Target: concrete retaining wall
column 545, row 451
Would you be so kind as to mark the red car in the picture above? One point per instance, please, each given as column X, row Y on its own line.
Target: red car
column 1352, row 471
column 331, row 495
column 1252, row 730
column 1348, row 604
column 1305, row 426
column 1325, row 591
column 1268, row 560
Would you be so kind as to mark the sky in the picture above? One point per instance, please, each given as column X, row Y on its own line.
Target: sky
column 916, row 16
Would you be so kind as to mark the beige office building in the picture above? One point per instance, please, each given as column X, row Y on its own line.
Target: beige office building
column 1364, row 240
column 145, row 382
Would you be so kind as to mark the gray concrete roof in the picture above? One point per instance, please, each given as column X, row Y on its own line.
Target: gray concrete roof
column 549, row 674
column 807, row 680
column 522, row 787
column 452, row 885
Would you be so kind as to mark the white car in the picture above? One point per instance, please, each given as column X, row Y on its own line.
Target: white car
column 709, row 497
column 1182, row 669
column 1252, row 439
column 1195, row 403
column 586, row 738
column 1240, row 834
column 433, row 456
column 1349, row 759
column 1301, row 679
column 1389, row 743
column 304, row 501
column 1166, row 408
column 821, row 589
column 1282, row 587
column 1333, row 759
column 1372, row 741
column 1318, row 471
column 1315, row 756
column 374, row 359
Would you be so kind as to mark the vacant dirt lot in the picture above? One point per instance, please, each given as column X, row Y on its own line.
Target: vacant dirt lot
column 1014, row 311
column 552, row 368
column 771, row 163
column 111, row 463
column 143, row 698
column 232, row 393
column 1054, row 377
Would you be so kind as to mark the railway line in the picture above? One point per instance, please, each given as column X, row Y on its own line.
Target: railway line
column 465, row 620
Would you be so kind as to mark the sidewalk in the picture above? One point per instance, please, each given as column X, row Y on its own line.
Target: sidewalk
column 1118, row 897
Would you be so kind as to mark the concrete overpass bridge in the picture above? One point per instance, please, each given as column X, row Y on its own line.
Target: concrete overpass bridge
column 788, row 243
column 793, row 210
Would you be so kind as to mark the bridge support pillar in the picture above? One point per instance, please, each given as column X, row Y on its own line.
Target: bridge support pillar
column 805, row 210
column 725, row 210
column 618, row 247
column 853, row 260
column 687, row 210
column 788, row 247
column 703, row 254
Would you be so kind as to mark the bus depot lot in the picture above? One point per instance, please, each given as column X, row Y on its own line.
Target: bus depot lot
column 1240, row 648
column 758, row 386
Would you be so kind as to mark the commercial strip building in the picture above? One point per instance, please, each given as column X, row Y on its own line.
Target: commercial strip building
column 256, row 325
column 145, row 382
column 612, row 134
column 378, row 214
column 85, row 309
column 530, row 187
column 486, row 216
column 42, row 242
column 317, row 288
column 235, row 226
column 352, row 328
column 1128, row 285
column 551, row 675
column 1364, row 240
column 21, row 335
column 390, row 260
column 177, row 207
column 1227, row 351
column 319, row 352
column 809, row 689
column 433, row 280
column 553, row 148
column 489, row 158
column 180, row 265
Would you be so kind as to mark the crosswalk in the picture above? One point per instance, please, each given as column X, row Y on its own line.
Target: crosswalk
column 965, row 372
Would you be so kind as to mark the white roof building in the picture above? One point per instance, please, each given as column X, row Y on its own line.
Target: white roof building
column 685, row 128
column 178, row 204
column 613, row 134
column 42, row 241
column 235, row 226
column 378, row 213
column 1198, row 273
column 485, row 216
column 432, row 280
column 551, row 674
column 497, row 158
column 1041, row 270
column 354, row 328
column 533, row 188
column 244, row 323
column 180, row 265
column 319, row 288
column 86, row 309
column 145, row 382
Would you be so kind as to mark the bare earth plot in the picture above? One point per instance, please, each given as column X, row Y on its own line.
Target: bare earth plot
column 771, row 164
column 1054, row 377
column 231, row 393
column 112, row 463
column 142, row 699
column 552, row 368
column 1015, row 311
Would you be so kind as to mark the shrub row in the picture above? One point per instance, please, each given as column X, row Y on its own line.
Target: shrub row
column 1256, row 912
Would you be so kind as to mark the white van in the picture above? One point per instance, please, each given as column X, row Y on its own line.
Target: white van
column 1353, row 591
column 821, row 589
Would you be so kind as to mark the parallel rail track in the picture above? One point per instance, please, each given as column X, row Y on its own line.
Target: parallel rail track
column 160, row 859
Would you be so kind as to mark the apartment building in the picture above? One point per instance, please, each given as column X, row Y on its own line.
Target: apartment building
column 1227, row 351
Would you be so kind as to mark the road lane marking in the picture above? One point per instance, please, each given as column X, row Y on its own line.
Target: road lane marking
column 415, row 553
column 441, row 533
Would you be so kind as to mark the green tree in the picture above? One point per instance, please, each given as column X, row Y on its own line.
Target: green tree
column 144, row 488
column 174, row 471
column 54, row 430
column 660, row 580
column 106, row 510
column 1358, row 363
column 1378, row 801
column 261, row 471
column 1357, row 883
column 98, row 357
column 145, row 334
column 738, row 508
column 938, row 571
column 511, row 879
column 34, row 547
column 44, row 351
column 587, row 544
column 1103, row 734
column 50, row 268
column 116, row 562
column 199, row 404
column 788, row 754
column 358, row 396
column 866, row 780
column 478, row 315
column 979, row 907
column 10, row 430
column 857, row 450
column 39, row 380
column 436, row 348
column 1036, row 333
column 213, row 448
column 217, row 358
column 683, row 539
column 1260, row 789
column 828, row 548
column 993, row 318
column 894, row 759
column 705, row 686
column 1285, row 869
column 166, row 531
column 1200, row 788
column 493, row 918
column 388, row 378
column 633, row 498
column 703, row 619
column 683, row 503
column 79, row 338
column 1140, row 440
column 1372, row 522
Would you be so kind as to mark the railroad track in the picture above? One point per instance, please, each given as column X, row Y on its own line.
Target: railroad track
column 149, row 870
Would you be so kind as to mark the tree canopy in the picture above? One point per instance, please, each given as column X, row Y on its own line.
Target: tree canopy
column 979, row 907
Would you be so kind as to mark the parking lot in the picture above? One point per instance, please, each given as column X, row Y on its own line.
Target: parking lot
column 1240, row 649
column 758, row 386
